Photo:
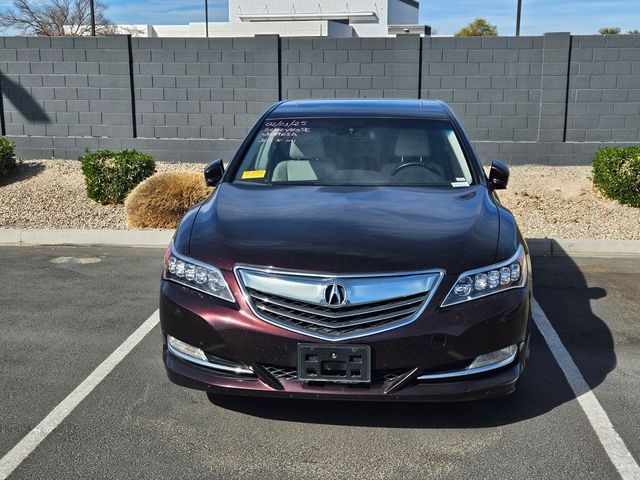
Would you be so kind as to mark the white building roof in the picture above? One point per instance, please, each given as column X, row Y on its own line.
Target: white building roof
column 336, row 18
column 292, row 17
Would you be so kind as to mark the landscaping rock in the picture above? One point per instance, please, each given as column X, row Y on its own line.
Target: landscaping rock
column 554, row 202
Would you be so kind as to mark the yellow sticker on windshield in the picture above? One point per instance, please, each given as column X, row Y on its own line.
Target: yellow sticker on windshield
column 253, row 174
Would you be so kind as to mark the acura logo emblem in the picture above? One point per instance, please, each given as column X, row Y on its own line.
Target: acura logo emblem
column 335, row 295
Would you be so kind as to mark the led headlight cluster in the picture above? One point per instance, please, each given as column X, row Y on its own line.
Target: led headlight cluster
column 486, row 281
column 199, row 276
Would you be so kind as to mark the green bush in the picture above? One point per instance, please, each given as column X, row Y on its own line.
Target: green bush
column 616, row 173
column 110, row 176
column 7, row 156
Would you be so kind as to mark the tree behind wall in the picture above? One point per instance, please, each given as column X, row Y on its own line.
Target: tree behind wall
column 478, row 28
column 56, row 17
column 609, row 31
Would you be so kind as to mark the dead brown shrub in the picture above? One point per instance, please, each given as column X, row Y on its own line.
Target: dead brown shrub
column 162, row 199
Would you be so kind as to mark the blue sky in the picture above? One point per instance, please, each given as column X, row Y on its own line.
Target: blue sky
column 539, row 16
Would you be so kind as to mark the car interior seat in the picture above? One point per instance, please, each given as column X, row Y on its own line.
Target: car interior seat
column 307, row 161
column 413, row 146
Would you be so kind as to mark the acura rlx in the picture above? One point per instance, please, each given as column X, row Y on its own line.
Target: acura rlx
column 352, row 249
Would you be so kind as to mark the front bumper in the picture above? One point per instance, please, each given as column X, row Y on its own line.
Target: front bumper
column 496, row 384
column 439, row 340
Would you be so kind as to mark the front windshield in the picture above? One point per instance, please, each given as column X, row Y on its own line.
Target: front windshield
column 355, row 151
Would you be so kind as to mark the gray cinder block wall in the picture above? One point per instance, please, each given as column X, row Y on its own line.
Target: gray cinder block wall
column 553, row 99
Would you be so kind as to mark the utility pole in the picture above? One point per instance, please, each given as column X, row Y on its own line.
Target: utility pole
column 206, row 17
column 518, row 19
column 93, row 18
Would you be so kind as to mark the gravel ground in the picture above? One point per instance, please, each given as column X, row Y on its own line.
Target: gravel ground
column 51, row 194
column 557, row 202
column 560, row 202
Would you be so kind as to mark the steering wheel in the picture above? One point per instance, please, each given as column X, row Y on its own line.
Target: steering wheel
column 416, row 164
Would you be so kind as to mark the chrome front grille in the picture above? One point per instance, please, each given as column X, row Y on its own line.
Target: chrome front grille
column 339, row 321
column 375, row 303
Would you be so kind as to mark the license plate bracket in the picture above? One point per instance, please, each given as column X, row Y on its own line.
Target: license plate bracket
column 334, row 363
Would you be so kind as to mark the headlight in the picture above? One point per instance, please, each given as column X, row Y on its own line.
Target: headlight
column 197, row 275
column 496, row 278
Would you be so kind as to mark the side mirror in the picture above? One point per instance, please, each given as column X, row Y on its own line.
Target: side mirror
column 213, row 173
column 498, row 175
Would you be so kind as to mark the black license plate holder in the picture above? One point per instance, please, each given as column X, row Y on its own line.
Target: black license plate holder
column 334, row 363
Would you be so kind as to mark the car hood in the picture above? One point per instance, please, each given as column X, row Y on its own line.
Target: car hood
column 347, row 229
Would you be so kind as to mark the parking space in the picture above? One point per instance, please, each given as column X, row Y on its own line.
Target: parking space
column 61, row 319
column 594, row 304
column 64, row 310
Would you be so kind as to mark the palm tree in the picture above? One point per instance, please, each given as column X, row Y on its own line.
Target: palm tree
column 609, row 31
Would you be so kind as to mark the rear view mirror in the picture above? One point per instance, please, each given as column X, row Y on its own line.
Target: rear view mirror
column 498, row 175
column 213, row 173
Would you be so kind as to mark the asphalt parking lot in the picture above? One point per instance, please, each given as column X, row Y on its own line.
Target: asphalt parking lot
column 65, row 310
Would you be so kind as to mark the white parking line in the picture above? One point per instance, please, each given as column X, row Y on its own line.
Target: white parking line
column 614, row 445
column 28, row 444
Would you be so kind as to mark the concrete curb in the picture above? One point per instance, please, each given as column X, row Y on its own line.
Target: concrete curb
column 126, row 238
column 583, row 247
column 161, row 238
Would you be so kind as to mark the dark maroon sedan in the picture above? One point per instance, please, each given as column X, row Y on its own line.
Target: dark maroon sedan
column 353, row 249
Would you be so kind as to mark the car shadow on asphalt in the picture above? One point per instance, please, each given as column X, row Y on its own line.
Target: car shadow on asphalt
column 563, row 293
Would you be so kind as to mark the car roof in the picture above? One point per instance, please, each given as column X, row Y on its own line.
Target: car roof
column 361, row 108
